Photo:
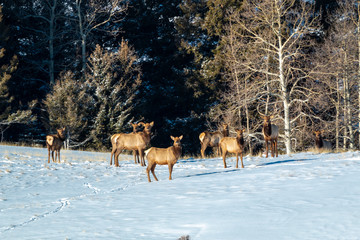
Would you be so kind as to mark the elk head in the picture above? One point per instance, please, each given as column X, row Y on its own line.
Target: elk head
column 61, row 133
column 147, row 126
column 267, row 124
column 177, row 140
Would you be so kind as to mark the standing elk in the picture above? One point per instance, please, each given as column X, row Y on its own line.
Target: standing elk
column 212, row 139
column 134, row 141
column 163, row 156
column 270, row 132
column 114, row 138
column 320, row 143
column 233, row 145
column 54, row 143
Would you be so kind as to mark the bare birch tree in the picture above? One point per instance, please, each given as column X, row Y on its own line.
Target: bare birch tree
column 279, row 31
column 349, row 15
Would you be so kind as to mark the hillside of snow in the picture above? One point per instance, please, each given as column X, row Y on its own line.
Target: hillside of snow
column 302, row 196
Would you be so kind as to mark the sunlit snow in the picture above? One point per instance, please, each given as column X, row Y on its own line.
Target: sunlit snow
column 302, row 196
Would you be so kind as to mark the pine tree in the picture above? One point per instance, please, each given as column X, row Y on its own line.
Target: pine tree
column 113, row 79
column 8, row 113
column 68, row 105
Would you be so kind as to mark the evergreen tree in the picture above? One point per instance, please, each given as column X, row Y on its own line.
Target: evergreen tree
column 167, row 99
column 9, row 112
column 68, row 105
column 113, row 79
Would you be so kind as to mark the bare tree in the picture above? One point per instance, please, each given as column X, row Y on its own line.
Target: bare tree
column 92, row 15
column 348, row 16
column 46, row 13
column 339, row 67
column 278, row 32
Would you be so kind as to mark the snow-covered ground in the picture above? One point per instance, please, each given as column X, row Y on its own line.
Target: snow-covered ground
column 302, row 196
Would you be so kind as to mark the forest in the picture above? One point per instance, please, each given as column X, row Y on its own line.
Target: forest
column 96, row 66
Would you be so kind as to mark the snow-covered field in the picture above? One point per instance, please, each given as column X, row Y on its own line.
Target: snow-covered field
column 303, row 196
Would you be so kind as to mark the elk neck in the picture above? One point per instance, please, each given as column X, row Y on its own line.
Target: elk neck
column 267, row 129
column 61, row 137
column 319, row 142
column 225, row 132
column 177, row 150
column 240, row 139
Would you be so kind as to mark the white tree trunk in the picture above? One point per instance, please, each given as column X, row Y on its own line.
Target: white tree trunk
column 285, row 99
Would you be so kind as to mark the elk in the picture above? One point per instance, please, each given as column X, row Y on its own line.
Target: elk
column 212, row 139
column 163, row 156
column 114, row 137
column 54, row 143
column 233, row 145
column 320, row 143
column 133, row 141
column 270, row 132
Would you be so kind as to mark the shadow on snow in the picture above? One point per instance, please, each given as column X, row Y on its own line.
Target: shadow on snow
column 285, row 161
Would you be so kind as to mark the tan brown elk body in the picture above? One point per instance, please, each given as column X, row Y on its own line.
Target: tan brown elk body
column 135, row 142
column 54, row 143
column 163, row 156
column 115, row 137
column 271, row 133
column 320, row 143
column 212, row 139
column 233, row 145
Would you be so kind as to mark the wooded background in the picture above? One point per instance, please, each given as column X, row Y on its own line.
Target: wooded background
column 95, row 66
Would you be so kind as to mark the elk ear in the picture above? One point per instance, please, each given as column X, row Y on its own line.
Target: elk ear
column 172, row 138
column 272, row 116
column 152, row 123
column 322, row 131
column 244, row 130
column 181, row 137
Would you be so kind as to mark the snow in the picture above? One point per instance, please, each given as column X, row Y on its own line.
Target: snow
column 302, row 196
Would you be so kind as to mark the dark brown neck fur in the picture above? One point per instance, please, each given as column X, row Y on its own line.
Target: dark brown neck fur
column 240, row 139
column 62, row 138
column 225, row 132
column 319, row 142
column 267, row 130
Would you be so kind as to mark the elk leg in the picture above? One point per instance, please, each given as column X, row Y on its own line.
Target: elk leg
column 237, row 160
column 170, row 170
column 48, row 155
column 52, row 155
column 141, row 153
column 148, row 171
column 113, row 151
column 116, row 160
column 153, row 172
column 136, row 155
column 56, row 155
column 276, row 149
column 224, row 157
column 267, row 147
column 58, row 152
column 241, row 157
column 141, row 156
column 203, row 148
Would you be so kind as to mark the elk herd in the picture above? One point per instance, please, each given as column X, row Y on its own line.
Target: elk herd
column 138, row 142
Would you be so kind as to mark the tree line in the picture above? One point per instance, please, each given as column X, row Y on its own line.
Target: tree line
column 187, row 65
